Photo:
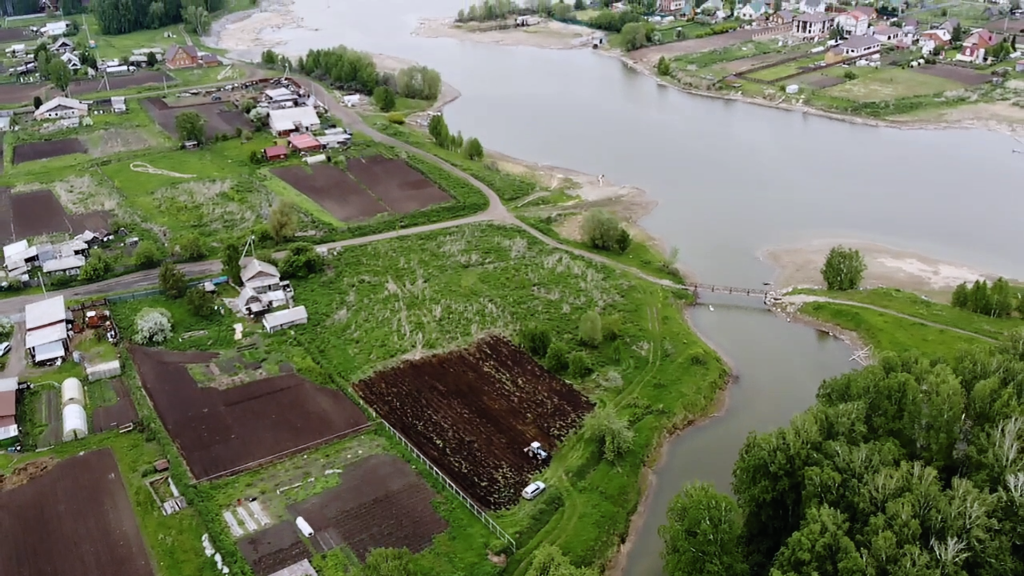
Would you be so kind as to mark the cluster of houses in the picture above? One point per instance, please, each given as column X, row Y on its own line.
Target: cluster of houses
column 293, row 114
column 66, row 258
column 262, row 291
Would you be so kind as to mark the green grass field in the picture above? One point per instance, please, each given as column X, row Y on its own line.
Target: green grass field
column 891, row 84
column 783, row 70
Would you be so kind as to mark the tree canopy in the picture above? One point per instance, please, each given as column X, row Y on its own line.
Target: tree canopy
column 190, row 126
column 843, row 269
column 905, row 467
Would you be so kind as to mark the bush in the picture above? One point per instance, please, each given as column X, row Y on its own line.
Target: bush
column 200, row 302
column 579, row 365
column 152, row 326
column 172, row 281
column 536, row 340
column 147, row 255
column 602, row 230
column 590, row 329
column 850, row 75
column 384, row 98
column 96, row 268
column 396, row 118
column 191, row 248
column 302, row 261
column 557, row 358
column 612, row 433
column 611, row 327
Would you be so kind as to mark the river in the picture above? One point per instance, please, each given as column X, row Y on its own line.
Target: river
column 730, row 179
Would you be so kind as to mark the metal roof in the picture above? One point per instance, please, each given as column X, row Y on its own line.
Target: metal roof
column 61, row 264
column 7, row 403
column 282, row 317
column 49, row 351
column 16, row 248
column 41, row 336
column 8, row 384
column 45, row 312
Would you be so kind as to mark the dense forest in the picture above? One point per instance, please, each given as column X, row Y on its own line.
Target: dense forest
column 124, row 16
column 907, row 467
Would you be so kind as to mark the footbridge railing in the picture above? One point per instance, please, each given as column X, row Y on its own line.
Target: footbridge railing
column 719, row 289
column 473, row 507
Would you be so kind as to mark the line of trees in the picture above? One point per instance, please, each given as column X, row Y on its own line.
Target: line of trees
column 907, row 467
column 438, row 130
column 356, row 71
column 998, row 300
column 124, row 16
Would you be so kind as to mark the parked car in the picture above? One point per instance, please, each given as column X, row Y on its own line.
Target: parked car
column 533, row 490
column 5, row 347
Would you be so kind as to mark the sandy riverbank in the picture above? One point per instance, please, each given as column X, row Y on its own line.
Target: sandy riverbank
column 547, row 34
column 887, row 266
column 247, row 34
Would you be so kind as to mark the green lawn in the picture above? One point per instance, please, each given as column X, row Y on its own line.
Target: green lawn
column 891, row 84
column 913, row 305
column 782, row 70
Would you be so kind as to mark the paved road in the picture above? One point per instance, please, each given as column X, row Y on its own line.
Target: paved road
column 805, row 298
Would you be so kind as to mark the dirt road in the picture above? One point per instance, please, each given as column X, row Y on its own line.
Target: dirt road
column 16, row 357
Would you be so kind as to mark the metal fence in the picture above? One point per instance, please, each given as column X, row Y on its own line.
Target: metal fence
column 491, row 524
column 156, row 291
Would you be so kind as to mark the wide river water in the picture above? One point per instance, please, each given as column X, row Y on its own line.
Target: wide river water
column 730, row 179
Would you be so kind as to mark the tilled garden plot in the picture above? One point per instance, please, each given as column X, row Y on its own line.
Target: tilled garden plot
column 219, row 118
column 117, row 414
column 47, row 149
column 19, row 92
column 380, row 503
column 74, row 519
column 223, row 432
column 954, row 73
column 36, row 213
column 274, row 549
column 15, row 34
column 333, row 189
column 398, row 186
column 472, row 412
column 120, row 82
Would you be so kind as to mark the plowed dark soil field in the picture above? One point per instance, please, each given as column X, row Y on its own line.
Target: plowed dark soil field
column 19, row 92
column 47, row 149
column 471, row 412
column 140, row 78
column 333, row 189
column 220, row 119
column 223, row 432
column 380, row 503
column 117, row 414
column 274, row 549
column 400, row 187
column 74, row 519
column 37, row 213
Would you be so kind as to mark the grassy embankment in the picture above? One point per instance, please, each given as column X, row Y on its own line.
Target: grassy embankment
column 475, row 279
column 513, row 188
column 888, row 332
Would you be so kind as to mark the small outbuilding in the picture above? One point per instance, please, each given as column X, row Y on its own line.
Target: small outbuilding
column 76, row 425
column 275, row 153
column 304, row 143
column 285, row 319
column 298, row 119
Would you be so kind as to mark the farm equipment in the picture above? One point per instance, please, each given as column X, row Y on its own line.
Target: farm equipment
column 534, row 450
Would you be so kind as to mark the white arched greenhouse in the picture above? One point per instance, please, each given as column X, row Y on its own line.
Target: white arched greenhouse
column 71, row 392
column 75, row 423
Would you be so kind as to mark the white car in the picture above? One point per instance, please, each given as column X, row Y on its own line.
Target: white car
column 5, row 347
column 533, row 490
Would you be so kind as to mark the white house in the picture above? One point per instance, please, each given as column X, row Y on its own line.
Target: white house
column 859, row 45
column 810, row 25
column 888, row 33
column 262, row 288
column 68, row 265
column 46, row 335
column 853, row 23
column 74, row 64
column 972, row 54
column 752, row 10
column 671, row 6
column 61, row 107
column 285, row 319
column 299, row 119
column 62, row 46
column 812, row 6
column 54, row 29
column 934, row 40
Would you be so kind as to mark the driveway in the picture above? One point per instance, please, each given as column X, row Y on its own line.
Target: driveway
column 16, row 360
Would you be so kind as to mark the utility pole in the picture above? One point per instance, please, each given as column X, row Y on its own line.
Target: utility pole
column 41, row 283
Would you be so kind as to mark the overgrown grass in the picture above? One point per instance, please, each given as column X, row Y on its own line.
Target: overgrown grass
column 888, row 333
column 216, row 332
column 913, row 305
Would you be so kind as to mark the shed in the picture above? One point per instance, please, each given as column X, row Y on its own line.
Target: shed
column 288, row 120
column 316, row 159
column 71, row 392
column 304, row 143
column 16, row 248
column 71, row 265
column 104, row 370
column 285, row 319
column 75, row 423
column 275, row 153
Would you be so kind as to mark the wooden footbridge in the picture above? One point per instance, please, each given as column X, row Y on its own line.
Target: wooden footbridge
column 764, row 293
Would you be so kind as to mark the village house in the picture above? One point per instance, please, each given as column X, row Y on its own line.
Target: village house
column 910, row 26
column 852, row 23
column 288, row 120
column 888, row 33
column 285, row 319
column 671, row 6
column 950, row 25
column 61, row 107
column 262, row 289
column 335, row 138
column 67, row 266
column 866, row 10
column 189, row 57
column 62, row 46
column 54, row 29
column 971, row 54
column 780, row 18
column 933, row 40
column 982, row 38
column 304, row 142
column 74, row 64
column 810, row 25
column 853, row 47
column 812, row 6
column 752, row 10
column 46, row 325
column 280, row 98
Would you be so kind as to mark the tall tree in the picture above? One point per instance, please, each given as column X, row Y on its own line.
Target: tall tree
column 172, row 280
column 702, row 534
column 190, row 126
column 843, row 269
column 60, row 74
column 230, row 259
column 283, row 220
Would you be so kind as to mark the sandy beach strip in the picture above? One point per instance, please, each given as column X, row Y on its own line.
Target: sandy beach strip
column 548, row 34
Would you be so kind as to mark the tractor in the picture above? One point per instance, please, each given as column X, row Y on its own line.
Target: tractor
column 534, row 450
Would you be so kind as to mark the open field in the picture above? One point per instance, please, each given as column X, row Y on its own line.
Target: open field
column 333, row 189
column 220, row 117
column 117, row 414
column 399, row 187
column 8, row 35
column 472, row 412
column 380, row 503
column 954, row 73
column 79, row 508
column 19, row 93
column 274, row 549
column 39, row 212
column 652, row 53
column 891, row 84
column 222, row 432
column 140, row 78
column 47, row 149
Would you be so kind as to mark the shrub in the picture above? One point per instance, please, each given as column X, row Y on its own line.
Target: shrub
column 147, row 255
column 602, row 230
column 850, row 75
column 536, row 340
column 579, row 365
column 557, row 358
column 302, row 261
column 172, row 280
column 611, row 432
column 590, row 329
column 152, row 326
column 396, row 118
column 200, row 302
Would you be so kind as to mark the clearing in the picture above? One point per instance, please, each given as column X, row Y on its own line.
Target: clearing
column 222, row 432
column 79, row 508
column 471, row 412
column 891, row 84
column 106, row 142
